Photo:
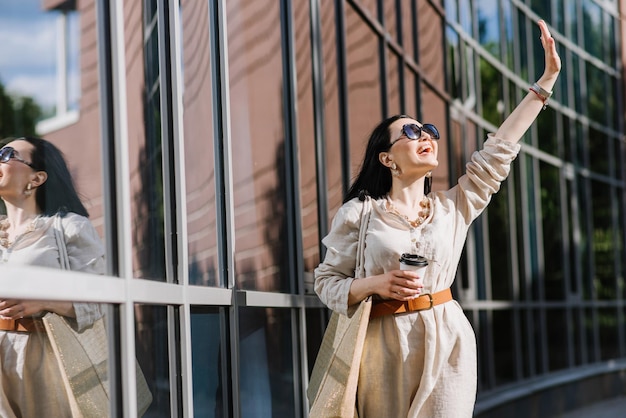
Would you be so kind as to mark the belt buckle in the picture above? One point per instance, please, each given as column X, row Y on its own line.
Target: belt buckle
column 414, row 304
column 430, row 300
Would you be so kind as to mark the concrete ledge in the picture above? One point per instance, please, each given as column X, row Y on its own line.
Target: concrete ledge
column 556, row 393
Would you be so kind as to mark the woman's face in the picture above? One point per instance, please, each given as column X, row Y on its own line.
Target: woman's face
column 15, row 173
column 413, row 155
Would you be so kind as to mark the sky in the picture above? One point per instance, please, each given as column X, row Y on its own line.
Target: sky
column 27, row 50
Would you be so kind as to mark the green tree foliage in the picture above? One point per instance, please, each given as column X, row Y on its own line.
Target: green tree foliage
column 18, row 114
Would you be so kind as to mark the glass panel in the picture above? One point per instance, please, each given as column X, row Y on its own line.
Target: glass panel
column 572, row 235
column 498, row 216
column 558, row 339
column 522, row 65
column 410, row 92
column 505, row 351
column 484, row 350
column 609, row 333
column 31, row 82
column 431, row 32
column 208, row 354
column 266, row 361
column 568, row 140
column 592, row 28
column 579, row 336
column 491, row 91
column 487, row 12
column 612, row 105
column 547, row 138
column 542, row 8
column 258, row 143
column 612, row 44
column 507, row 17
column 596, row 93
column 153, row 356
column 603, row 241
column 590, row 328
column 578, row 99
column 552, row 217
column 391, row 22
column 332, row 132
column 308, row 158
column 572, row 17
column 528, row 361
column 531, row 261
column 407, row 19
column 621, row 248
column 465, row 16
column 363, row 66
column 145, row 148
column 559, row 20
column 584, row 246
column 598, row 151
column 454, row 63
column 395, row 96
column 199, row 142
column 364, row 96
column 316, row 320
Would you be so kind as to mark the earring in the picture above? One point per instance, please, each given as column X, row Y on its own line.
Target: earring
column 394, row 170
column 28, row 190
column 428, row 183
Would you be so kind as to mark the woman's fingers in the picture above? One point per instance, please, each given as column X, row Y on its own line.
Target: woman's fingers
column 405, row 285
column 553, row 61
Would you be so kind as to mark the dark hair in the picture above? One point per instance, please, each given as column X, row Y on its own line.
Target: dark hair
column 374, row 179
column 57, row 194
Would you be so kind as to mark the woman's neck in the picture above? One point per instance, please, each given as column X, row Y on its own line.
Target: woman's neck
column 23, row 214
column 409, row 196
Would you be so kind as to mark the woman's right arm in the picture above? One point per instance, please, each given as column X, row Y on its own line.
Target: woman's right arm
column 334, row 277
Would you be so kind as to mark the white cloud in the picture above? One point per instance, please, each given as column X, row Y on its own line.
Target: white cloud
column 41, row 87
column 26, row 48
column 28, row 42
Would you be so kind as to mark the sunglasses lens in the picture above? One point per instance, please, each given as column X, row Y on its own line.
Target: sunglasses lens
column 431, row 130
column 5, row 154
column 412, row 131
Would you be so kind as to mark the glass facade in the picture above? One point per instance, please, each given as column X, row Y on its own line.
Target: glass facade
column 216, row 141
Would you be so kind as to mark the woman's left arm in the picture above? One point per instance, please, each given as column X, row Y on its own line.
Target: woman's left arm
column 518, row 122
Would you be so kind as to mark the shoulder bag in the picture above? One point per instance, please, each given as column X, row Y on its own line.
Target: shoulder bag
column 83, row 356
column 333, row 384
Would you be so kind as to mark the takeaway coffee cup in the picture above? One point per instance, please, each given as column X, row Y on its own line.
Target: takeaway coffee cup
column 414, row 262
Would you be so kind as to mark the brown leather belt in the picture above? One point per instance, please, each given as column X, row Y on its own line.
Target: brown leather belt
column 423, row 302
column 22, row 325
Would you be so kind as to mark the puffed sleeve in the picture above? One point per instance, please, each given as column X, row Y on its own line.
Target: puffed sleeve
column 486, row 170
column 334, row 276
column 86, row 254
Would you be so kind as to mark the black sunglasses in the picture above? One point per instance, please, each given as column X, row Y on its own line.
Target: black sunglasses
column 8, row 153
column 413, row 132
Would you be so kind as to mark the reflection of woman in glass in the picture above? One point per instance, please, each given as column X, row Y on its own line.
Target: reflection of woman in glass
column 36, row 187
column 419, row 358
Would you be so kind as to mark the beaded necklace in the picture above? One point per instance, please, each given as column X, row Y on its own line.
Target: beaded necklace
column 4, row 235
column 422, row 215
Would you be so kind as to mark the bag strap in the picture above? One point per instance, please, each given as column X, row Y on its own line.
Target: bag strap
column 366, row 210
column 59, row 235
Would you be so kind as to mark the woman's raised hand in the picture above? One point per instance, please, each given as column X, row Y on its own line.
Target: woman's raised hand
column 552, row 58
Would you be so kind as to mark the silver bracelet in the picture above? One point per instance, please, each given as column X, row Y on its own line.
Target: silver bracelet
column 542, row 93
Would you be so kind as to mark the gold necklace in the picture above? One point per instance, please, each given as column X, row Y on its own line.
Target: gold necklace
column 422, row 215
column 4, row 234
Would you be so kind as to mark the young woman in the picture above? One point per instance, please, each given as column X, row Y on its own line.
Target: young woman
column 419, row 357
column 36, row 188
